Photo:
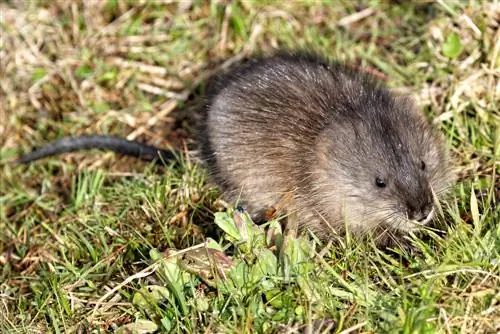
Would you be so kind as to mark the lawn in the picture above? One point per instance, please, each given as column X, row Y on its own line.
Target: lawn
column 98, row 242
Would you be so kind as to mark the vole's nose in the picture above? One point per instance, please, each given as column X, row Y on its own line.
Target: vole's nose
column 422, row 214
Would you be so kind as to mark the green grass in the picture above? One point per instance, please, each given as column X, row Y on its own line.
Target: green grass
column 95, row 241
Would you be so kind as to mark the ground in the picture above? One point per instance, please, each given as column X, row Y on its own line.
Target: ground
column 98, row 242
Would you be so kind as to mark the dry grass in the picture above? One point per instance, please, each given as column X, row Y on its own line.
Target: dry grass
column 76, row 231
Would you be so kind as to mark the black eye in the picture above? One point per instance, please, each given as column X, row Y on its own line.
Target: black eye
column 380, row 182
column 422, row 165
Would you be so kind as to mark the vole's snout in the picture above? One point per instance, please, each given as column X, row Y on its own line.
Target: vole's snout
column 421, row 213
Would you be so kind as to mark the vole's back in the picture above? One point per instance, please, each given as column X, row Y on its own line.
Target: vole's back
column 263, row 123
column 260, row 126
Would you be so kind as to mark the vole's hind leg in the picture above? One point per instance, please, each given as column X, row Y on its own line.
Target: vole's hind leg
column 285, row 210
column 292, row 225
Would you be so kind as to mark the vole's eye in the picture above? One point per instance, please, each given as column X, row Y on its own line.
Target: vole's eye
column 380, row 182
column 422, row 165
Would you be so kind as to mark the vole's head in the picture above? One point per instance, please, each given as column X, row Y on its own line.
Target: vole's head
column 381, row 166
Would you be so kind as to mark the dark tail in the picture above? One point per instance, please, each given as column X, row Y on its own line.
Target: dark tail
column 111, row 143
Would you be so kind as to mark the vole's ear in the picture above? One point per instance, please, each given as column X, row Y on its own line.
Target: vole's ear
column 405, row 101
column 409, row 103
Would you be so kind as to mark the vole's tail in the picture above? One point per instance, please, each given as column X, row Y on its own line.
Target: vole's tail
column 111, row 143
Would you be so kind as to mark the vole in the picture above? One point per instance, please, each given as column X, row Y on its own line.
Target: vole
column 327, row 145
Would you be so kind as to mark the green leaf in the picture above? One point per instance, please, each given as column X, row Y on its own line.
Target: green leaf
column 100, row 107
column 237, row 20
column 167, row 323
column 149, row 294
column 109, row 75
column 212, row 244
column 140, row 326
column 453, row 46
column 227, row 224
column 83, row 71
column 267, row 263
column 172, row 273
column 474, row 208
column 155, row 254
column 239, row 275
column 38, row 74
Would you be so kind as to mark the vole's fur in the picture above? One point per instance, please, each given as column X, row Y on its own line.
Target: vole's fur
column 327, row 145
column 312, row 136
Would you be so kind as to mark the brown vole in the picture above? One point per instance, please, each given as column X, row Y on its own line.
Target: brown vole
column 323, row 143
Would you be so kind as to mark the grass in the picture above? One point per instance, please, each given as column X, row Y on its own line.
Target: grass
column 98, row 242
